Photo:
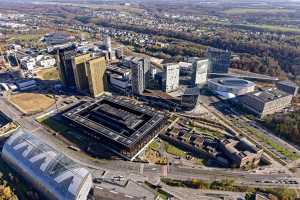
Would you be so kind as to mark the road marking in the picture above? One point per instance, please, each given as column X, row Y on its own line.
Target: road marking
column 35, row 130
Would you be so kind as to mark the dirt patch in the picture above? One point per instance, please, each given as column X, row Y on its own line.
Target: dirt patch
column 30, row 103
column 154, row 157
column 48, row 74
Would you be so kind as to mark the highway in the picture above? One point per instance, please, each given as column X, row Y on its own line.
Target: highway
column 174, row 172
column 150, row 171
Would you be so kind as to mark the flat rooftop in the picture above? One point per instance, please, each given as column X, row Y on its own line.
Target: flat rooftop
column 117, row 120
column 159, row 94
column 288, row 83
column 231, row 82
column 118, row 70
column 268, row 95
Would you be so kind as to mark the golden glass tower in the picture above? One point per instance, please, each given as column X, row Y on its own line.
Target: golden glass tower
column 79, row 69
column 89, row 74
column 96, row 68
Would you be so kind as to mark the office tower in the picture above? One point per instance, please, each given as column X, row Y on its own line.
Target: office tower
column 113, row 54
column 89, row 74
column 119, row 53
column 147, row 73
column 171, row 77
column 137, row 74
column 219, row 60
column 140, row 75
column 79, row 68
column 96, row 68
column 199, row 76
column 108, row 43
column 153, row 72
column 64, row 63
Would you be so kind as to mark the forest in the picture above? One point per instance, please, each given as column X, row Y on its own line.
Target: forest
column 285, row 125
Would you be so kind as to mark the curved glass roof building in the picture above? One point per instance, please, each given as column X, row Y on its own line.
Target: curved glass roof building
column 52, row 173
column 231, row 87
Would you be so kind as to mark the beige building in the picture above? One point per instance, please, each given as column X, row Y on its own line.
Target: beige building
column 96, row 75
column 89, row 74
column 79, row 69
column 266, row 102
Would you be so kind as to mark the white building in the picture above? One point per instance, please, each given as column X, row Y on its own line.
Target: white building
column 200, row 68
column 119, row 53
column 230, row 87
column 185, row 68
column 171, row 77
column 108, row 44
column 153, row 71
column 46, row 62
column 28, row 63
column 15, row 47
column 13, row 87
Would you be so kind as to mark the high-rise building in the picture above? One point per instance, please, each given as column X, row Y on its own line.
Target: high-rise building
column 96, row 68
column 119, row 53
column 171, row 77
column 64, row 63
column 89, row 74
column 140, row 68
column 153, row 72
column 108, row 43
column 219, row 60
column 199, row 76
column 79, row 68
column 137, row 74
column 147, row 71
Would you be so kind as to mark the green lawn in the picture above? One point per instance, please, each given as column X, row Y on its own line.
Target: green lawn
column 154, row 145
column 163, row 195
column 66, row 131
column 200, row 161
column 26, row 37
column 209, row 133
column 282, row 150
column 41, row 119
column 271, row 28
column 277, row 28
column 236, row 11
column 174, row 150
column 54, row 125
column 290, row 155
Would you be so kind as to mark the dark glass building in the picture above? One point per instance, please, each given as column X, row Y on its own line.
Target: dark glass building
column 65, row 67
column 219, row 60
